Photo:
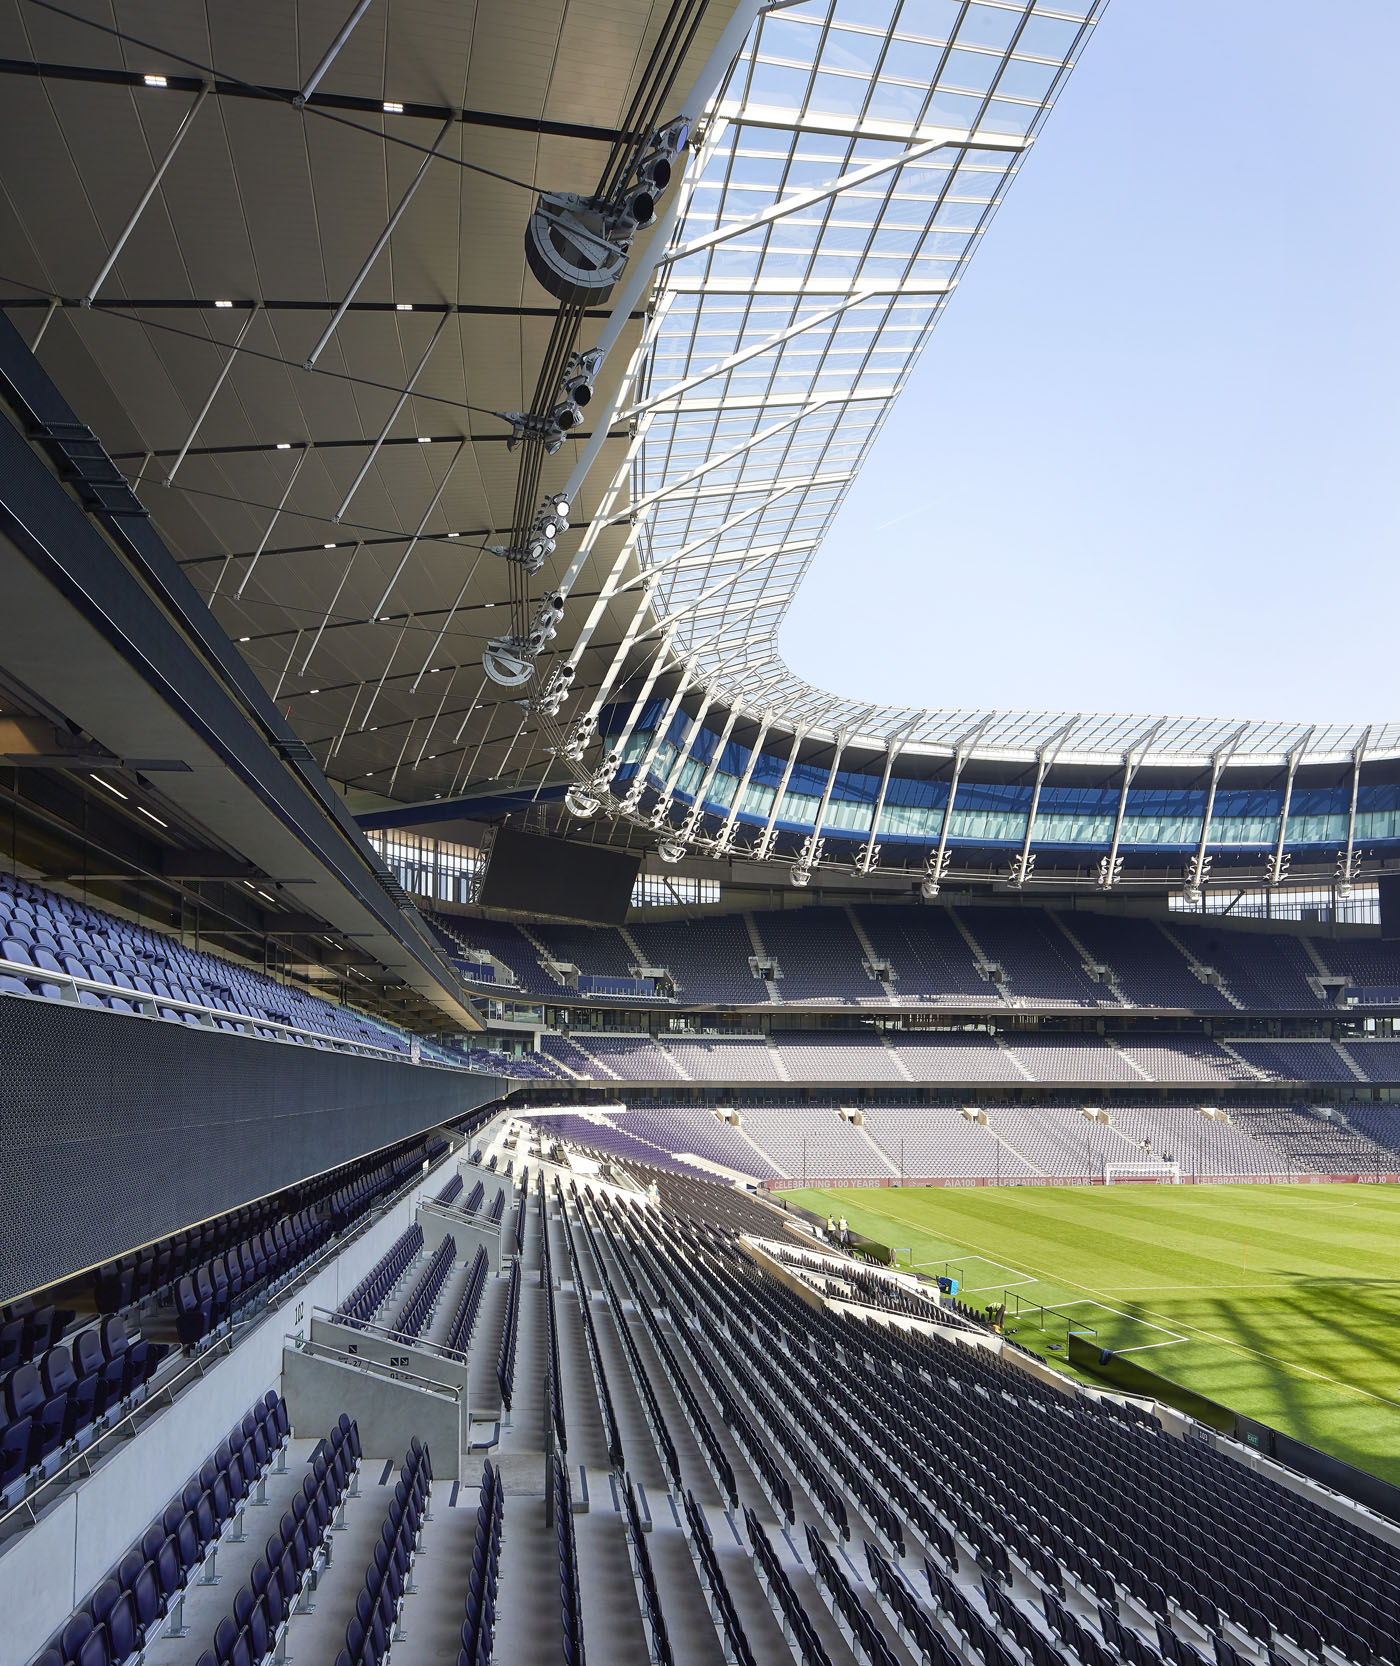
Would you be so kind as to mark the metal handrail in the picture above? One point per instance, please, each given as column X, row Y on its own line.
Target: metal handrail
column 399, row 1338
column 123, row 1429
column 140, row 999
column 375, row 1367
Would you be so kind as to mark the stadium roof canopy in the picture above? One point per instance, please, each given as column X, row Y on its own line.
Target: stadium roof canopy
column 276, row 257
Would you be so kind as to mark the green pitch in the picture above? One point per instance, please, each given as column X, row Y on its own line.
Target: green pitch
column 1280, row 1301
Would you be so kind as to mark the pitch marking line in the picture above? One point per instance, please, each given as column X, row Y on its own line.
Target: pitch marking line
column 981, row 1289
column 1213, row 1336
column 1173, row 1337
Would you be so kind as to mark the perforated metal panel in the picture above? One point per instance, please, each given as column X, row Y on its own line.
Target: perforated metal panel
column 117, row 1130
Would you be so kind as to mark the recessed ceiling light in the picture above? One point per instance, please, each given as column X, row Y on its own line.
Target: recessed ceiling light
column 284, row 445
column 327, row 546
column 454, row 534
column 488, row 604
column 425, row 439
column 108, row 787
column 313, row 691
column 222, row 304
column 245, row 639
column 403, row 306
column 152, row 816
column 155, row 80
column 392, row 109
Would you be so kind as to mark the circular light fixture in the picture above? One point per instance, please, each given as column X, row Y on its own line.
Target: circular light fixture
column 580, row 803
column 670, row 850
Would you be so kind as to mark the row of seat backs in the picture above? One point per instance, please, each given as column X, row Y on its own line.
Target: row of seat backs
column 122, row 1613
column 205, row 1297
column 44, row 1405
column 364, row 1299
column 245, row 1635
column 376, row 1605
column 26, row 1330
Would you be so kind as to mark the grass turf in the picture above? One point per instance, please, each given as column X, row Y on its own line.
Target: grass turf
column 1280, row 1301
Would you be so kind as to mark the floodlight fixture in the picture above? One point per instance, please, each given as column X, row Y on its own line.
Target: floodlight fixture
column 671, row 850
column 580, row 803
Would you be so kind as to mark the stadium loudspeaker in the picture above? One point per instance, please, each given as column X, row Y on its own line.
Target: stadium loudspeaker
column 1389, row 889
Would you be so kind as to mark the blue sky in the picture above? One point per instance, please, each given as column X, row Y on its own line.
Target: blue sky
column 1155, row 435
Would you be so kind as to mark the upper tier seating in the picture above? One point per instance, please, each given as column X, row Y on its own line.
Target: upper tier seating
column 49, row 1406
column 1042, row 966
column 1149, row 970
column 1262, row 970
column 708, row 957
column 929, row 954
column 819, row 955
column 1366, row 962
column 46, row 933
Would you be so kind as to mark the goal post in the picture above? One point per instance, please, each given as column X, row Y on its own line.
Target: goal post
column 1162, row 1174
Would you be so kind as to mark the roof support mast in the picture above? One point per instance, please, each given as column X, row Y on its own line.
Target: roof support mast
column 869, row 853
column 1278, row 862
column 765, row 844
column 1111, row 865
column 1348, row 866
column 1021, row 868
column 938, row 863
column 726, row 833
column 1198, row 870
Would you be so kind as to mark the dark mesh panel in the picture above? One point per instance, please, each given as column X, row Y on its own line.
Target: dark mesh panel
column 117, row 1130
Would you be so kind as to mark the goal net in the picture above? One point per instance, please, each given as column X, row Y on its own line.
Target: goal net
column 1164, row 1174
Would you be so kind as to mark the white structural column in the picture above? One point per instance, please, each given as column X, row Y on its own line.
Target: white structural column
column 1348, row 863
column 726, row 833
column 403, row 399
column 765, row 844
column 893, row 746
column 620, row 656
column 149, row 192
column 617, row 744
column 938, row 864
column 644, row 763
column 1278, row 863
column 1132, row 761
column 682, row 757
column 812, row 845
column 304, row 453
column 1044, row 759
column 641, row 267
column 198, row 422
column 1200, row 862
column 797, row 201
column 378, row 248
column 697, row 803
